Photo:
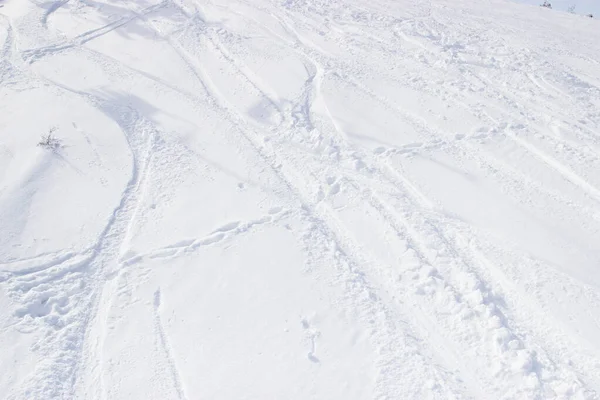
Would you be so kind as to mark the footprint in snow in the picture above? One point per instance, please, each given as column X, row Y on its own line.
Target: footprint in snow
column 311, row 335
column 334, row 185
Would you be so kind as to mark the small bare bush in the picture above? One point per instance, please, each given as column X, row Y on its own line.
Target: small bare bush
column 49, row 141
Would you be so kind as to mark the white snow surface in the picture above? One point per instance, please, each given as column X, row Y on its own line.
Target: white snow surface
column 299, row 199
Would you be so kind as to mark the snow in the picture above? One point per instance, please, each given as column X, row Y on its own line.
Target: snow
column 300, row 199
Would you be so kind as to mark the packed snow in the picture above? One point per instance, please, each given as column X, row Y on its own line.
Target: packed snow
column 298, row 199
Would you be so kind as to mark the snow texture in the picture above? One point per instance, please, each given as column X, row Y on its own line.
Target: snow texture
column 298, row 199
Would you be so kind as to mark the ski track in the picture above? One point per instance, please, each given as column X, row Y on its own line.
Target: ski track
column 165, row 347
column 32, row 55
column 51, row 9
column 446, row 300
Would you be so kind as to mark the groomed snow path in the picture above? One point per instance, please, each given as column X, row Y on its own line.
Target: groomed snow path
column 299, row 199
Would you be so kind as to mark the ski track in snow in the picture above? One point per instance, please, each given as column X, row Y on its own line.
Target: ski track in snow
column 450, row 307
column 164, row 344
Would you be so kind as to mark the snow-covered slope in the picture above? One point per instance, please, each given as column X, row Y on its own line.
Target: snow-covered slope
column 299, row 199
